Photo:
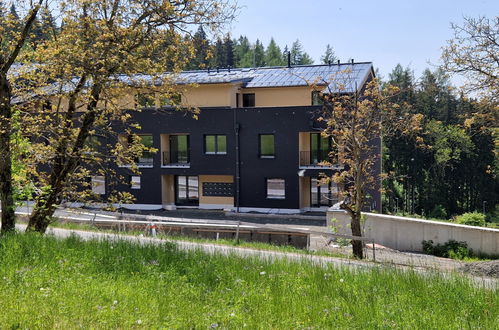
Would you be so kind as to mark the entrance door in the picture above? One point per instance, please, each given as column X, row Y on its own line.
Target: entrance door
column 186, row 190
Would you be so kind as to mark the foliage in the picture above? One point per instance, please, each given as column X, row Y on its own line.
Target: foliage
column 80, row 78
column 451, row 249
column 473, row 53
column 117, row 284
column 353, row 122
column 448, row 166
column 329, row 56
column 471, row 219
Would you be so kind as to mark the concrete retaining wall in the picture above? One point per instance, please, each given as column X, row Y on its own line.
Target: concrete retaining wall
column 406, row 234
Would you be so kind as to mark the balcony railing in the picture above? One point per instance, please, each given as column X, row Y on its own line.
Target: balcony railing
column 318, row 158
column 179, row 158
column 146, row 161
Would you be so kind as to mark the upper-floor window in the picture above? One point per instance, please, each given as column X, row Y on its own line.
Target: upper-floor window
column 171, row 99
column 215, row 144
column 248, row 100
column 146, row 100
column 317, row 98
column 267, row 147
column 147, row 156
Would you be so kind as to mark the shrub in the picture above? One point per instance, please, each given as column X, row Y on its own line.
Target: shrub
column 471, row 219
column 438, row 212
column 451, row 249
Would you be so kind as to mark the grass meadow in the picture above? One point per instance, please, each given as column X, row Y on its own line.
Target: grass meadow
column 50, row 283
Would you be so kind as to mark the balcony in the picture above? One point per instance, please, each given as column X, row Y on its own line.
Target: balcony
column 317, row 159
column 145, row 161
column 179, row 159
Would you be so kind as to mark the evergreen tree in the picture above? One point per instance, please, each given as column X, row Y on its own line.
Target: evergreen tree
column 201, row 50
column 273, row 55
column 229, row 51
column 243, row 53
column 329, row 56
column 298, row 55
column 258, row 54
column 220, row 57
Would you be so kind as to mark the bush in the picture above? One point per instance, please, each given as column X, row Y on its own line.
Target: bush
column 451, row 249
column 438, row 212
column 471, row 219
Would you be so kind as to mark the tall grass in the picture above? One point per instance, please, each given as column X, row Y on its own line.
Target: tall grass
column 51, row 283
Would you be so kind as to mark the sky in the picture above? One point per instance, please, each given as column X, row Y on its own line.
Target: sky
column 385, row 32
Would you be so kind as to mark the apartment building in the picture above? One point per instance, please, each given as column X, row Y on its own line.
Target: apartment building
column 255, row 146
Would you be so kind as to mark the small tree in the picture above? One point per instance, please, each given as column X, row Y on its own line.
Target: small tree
column 353, row 121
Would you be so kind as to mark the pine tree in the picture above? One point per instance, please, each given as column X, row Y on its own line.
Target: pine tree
column 298, row 56
column 259, row 54
column 329, row 56
column 273, row 55
column 201, row 49
column 219, row 59
column 229, row 51
column 285, row 54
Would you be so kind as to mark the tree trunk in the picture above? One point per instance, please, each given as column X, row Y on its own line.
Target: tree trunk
column 357, row 246
column 65, row 163
column 6, row 191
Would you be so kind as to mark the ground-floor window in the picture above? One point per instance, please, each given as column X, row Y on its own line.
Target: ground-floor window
column 98, row 184
column 186, row 190
column 276, row 189
column 323, row 194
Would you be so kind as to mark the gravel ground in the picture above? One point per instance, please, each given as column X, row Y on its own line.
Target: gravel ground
column 483, row 268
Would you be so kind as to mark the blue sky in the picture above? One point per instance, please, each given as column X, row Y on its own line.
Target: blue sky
column 385, row 32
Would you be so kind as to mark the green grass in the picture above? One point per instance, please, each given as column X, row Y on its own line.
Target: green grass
column 229, row 242
column 51, row 283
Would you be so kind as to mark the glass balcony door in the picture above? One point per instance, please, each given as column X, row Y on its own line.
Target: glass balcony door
column 186, row 190
column 319, row 148
column 179, row 149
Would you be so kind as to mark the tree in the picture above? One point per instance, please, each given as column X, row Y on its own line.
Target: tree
column 258, row 54
column 273, row 54
column 473, row 52
column 229, row 51
column 201, row 46
column 298, row 55
column 242, row 53
column 101, row 42
column 329, row 56
column 353, row 122
column 10, row 53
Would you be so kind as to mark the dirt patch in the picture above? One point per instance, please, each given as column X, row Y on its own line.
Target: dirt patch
column 483, row 268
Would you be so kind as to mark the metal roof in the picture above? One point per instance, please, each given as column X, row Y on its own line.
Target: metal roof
column 337, row 77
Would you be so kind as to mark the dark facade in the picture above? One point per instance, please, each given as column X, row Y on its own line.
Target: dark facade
column 284, row 123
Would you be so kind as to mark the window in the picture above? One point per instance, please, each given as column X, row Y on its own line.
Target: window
column 323, row 194
column 98, row 184
column 320, row 147
column 276, row 189
column 317, row 98
column 92, row 143
column 267, row 149
column 135, row 182
column 248, row 100
column 170, row 99
column 215, row 144
column 146, row 100
column 146, row 159
column 179, row 150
